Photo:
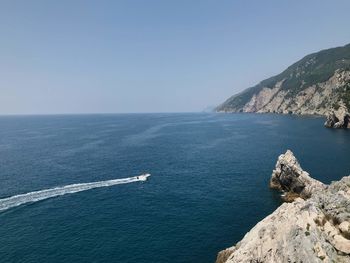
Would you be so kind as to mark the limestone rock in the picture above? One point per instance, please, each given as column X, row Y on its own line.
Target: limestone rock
column 290, row 178
column 344, row 227
column 306, row 230
column 224, row 255
column 331, row 120
column 338, row 119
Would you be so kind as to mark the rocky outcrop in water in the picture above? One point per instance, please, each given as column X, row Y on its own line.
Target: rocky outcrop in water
column 318, row 84
column 314, row 228
column 289, row 177
column 338, row 119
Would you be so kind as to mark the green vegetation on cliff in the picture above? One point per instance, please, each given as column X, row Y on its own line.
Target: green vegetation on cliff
column 311, row 70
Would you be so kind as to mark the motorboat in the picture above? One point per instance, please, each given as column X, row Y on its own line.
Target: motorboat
column 143, row 177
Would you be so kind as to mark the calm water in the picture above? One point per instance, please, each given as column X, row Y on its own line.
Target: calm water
column 208, row 186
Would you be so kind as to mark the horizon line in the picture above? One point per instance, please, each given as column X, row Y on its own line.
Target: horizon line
column 98, row 113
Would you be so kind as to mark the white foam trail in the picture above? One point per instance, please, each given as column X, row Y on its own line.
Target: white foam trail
column 36, row 196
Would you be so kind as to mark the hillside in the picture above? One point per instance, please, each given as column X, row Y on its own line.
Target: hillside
column 317, row 84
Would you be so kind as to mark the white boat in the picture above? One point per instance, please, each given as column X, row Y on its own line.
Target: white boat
column 143, row 177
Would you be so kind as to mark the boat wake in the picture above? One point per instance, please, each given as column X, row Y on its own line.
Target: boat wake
column 16, row 200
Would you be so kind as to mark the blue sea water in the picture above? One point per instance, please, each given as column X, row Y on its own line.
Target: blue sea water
column 209, row 182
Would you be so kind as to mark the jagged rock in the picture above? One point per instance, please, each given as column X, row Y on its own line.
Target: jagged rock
column 290, row 178
column 224, row 255
column 331, row 120
column 344, row 227
column 338, row 119
column 311, row 230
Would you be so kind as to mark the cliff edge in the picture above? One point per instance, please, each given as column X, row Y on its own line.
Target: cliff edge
column 314, row 226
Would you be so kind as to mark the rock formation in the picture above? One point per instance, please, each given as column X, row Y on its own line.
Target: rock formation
column 338, row 119
column 290, row 178
column 314, row 228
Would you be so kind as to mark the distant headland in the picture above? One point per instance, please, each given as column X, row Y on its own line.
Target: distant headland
column 318, row 84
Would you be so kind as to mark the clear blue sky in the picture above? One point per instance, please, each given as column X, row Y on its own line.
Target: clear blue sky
column 155, row 55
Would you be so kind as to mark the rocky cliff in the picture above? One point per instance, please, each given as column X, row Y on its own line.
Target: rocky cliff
column 317, row 84
column 292, row 180
column 313, row 227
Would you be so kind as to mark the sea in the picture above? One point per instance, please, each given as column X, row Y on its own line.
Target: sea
column 208, row 185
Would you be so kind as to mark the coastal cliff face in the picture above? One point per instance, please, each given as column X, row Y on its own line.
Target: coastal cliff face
column 313, row 227
column 319, row 84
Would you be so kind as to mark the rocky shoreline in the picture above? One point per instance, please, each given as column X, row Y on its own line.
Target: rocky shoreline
column 313, row 225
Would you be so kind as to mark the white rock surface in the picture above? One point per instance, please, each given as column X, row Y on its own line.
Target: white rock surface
column 288, row 176
column 317, row 99
column 311, row 230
